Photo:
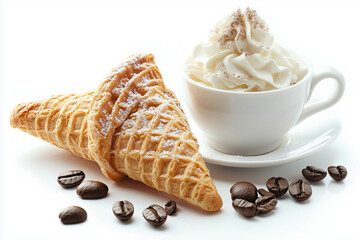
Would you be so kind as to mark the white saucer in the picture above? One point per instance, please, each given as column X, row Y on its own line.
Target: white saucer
column 310, row 136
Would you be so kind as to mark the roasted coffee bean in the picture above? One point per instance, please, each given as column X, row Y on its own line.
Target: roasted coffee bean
column 263, row 193
column 313, row 173
column 170, row 207
column 265, row 204
column 71, row 178
column 72, row 214
column 244, row 207
column 92, row 190
column 155, row 215
column 338, row 173
column 277, row 185
column 300, row 190
column 244, row 190
column 123, row 210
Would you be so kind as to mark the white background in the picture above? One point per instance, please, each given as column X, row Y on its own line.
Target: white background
column 55, row 47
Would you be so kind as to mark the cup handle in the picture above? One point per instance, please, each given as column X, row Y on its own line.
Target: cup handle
column 334, row 97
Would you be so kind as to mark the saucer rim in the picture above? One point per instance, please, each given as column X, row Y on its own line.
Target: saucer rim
column 245, row 161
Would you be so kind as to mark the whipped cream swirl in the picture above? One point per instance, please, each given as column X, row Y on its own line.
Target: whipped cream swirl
column 241, row 55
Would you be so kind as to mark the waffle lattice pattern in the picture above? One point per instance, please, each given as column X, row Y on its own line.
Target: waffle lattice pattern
column 60, row 120
column 131, row 125
column 157, row 148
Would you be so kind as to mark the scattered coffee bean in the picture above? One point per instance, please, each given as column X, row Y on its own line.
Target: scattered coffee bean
column 244, row 207
column 277, row 185
column 338, row 173
column 155, row 215
column 244, row 190
column 265, row 204
column 244, row 194
column 72, row 214
column 123, row 210
column 170, row 207
column 300, row 190
column 71, row 178
column 263, row 193
column 92, row 190
column 313, row 173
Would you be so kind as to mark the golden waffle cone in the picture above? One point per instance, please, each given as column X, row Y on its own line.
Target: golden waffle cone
column 60, row 120
column 131, row 125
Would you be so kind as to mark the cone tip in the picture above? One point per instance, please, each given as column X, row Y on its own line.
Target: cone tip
column 14, row 119
column 213, row 202
column 20, row 113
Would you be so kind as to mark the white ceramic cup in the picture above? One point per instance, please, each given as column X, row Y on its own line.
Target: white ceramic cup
column 253, row 123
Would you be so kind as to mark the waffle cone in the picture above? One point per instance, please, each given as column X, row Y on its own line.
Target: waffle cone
column 132, row 125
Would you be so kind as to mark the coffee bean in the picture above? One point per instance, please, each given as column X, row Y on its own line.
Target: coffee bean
column 92, row 190
column 170, row 207
column 244, row 207
column 72, row 214
column 123, row 210
column 265, row 204
column 300, row 190
column 263, row 193
column 313, row 173
column 277, row 185
column 338, row 173
column 244, row 190
column 155, row 215
column 71, row 178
